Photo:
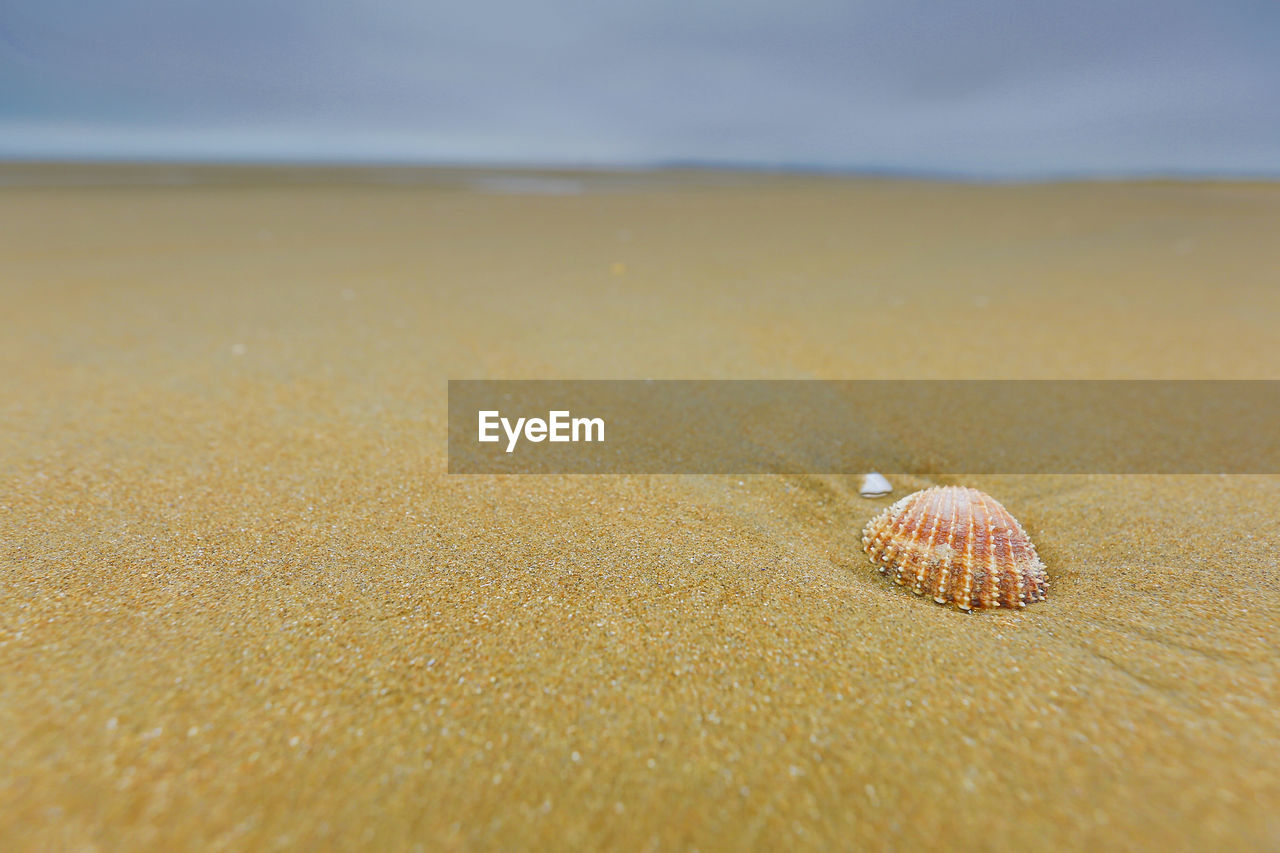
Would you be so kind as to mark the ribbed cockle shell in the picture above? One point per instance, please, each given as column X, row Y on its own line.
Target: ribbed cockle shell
column 960, row 546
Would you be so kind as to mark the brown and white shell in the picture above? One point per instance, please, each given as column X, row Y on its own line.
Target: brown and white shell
column 960, row 546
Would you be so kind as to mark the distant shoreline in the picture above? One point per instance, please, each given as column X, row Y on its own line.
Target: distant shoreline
column 21, row 171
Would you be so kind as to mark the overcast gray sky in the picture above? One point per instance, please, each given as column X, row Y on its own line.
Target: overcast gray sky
column 988, row 88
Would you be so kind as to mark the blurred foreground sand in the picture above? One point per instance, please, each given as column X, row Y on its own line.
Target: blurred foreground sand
column 242, row 606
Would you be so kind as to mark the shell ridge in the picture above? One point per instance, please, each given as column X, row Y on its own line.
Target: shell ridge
column 992, row 580
column 966, row 577
column 940, row 588
column 927, row 555
column 907, row 531
column 1004, row 556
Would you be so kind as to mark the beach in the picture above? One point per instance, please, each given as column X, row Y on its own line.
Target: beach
column 243, row 605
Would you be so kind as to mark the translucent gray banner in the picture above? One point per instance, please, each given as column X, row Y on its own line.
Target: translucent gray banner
column 922, row 427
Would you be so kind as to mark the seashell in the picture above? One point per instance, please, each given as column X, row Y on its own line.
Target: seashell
column 874, row 486
column 960, row 546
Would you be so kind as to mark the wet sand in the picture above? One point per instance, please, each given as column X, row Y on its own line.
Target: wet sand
column 242, row 605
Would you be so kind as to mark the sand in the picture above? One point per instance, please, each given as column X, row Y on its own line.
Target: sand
column 242, row 605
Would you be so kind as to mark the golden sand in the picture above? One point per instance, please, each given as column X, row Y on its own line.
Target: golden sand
column 242, row 605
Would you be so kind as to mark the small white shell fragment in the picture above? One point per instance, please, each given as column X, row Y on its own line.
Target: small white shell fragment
column 875, row 486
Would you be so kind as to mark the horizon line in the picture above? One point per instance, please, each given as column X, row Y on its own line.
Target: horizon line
column 706, row 165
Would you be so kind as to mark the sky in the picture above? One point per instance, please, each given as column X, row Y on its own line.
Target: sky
column 987, row 88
